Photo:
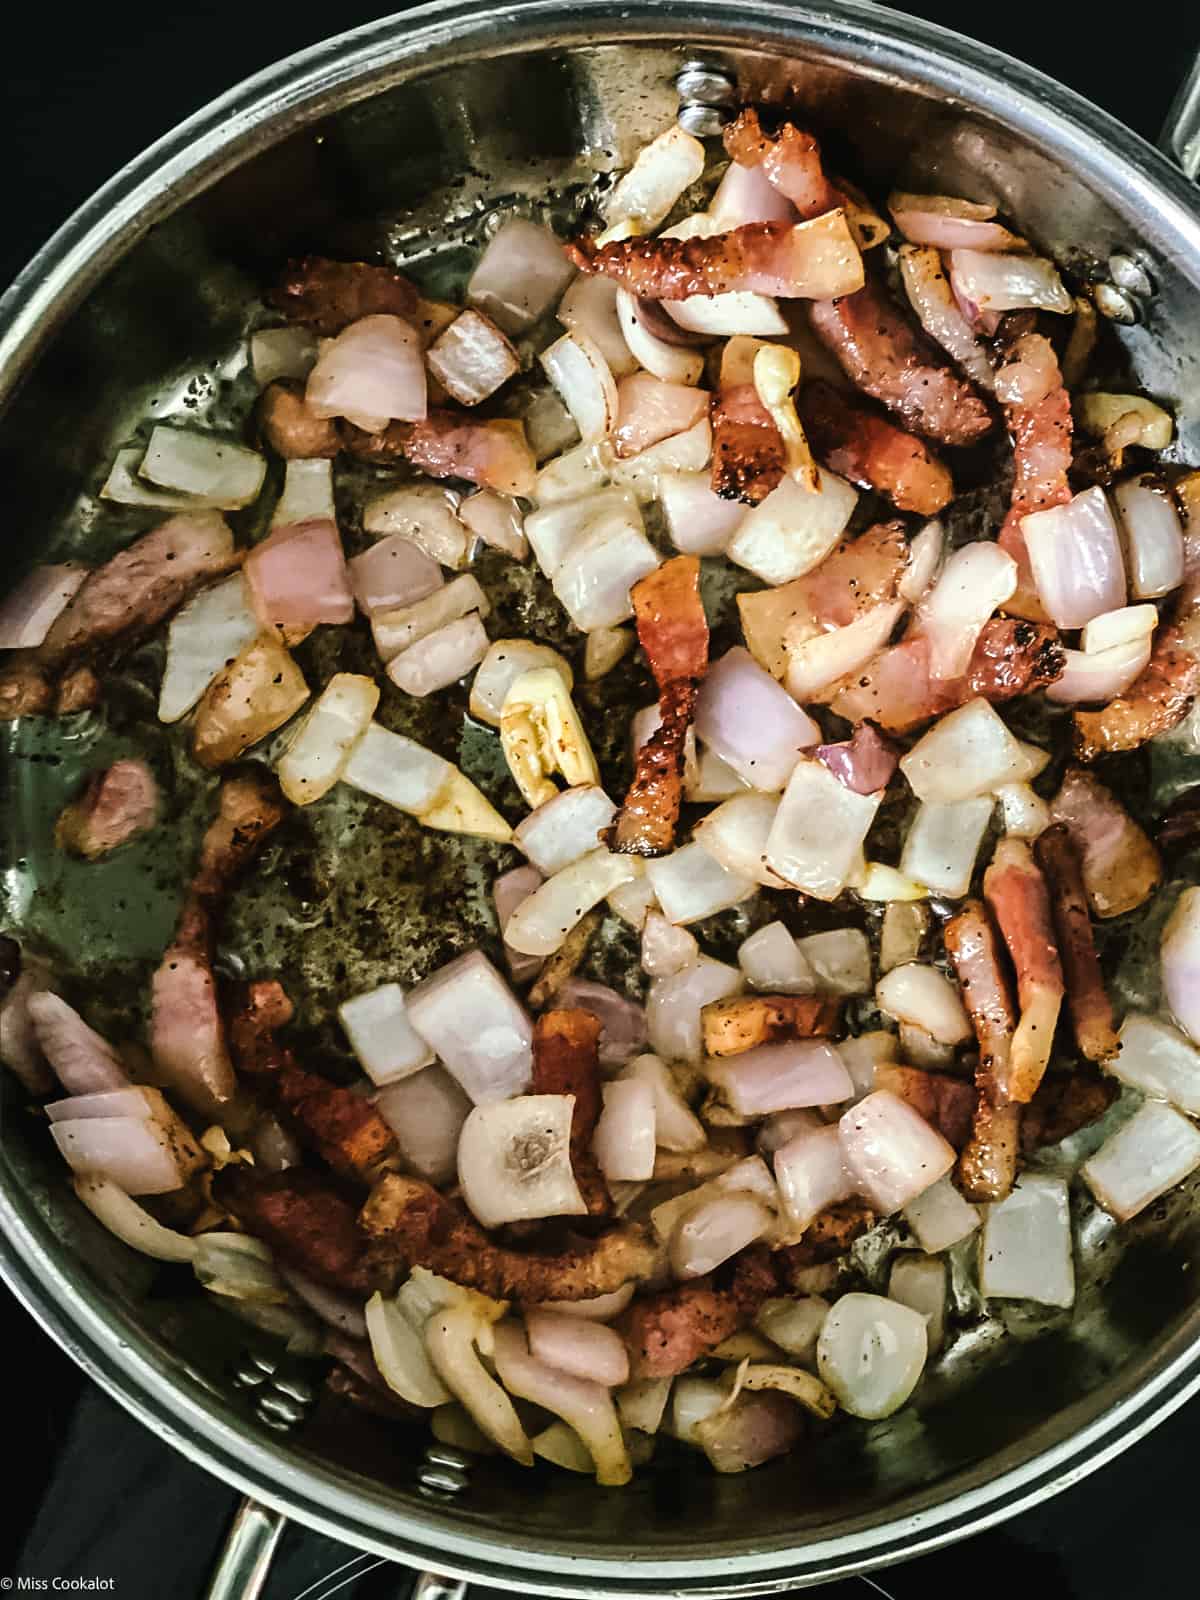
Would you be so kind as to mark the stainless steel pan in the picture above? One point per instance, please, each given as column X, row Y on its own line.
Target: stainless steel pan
column 135, row 308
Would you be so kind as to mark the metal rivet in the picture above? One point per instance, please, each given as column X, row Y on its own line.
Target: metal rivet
column 249, row 1376
column 447, row 1455
column 442, row 1480
column 1115, row 304
column 1130, row 275
column 296, row 1388
column 276, row 1407
column 266, row 1364
column 703, row 121
column 705, row 83
column 280, row 1424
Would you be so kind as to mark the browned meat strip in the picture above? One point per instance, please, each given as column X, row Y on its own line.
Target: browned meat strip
column 1041, row 440
column 566, row 1060
column 1013, row 657
column 748, row 454
column 987, row 1166
column 1016, row 892
column 289, row 427
column 988, row 1163
column 304, row 1217
column 669, row 1330
column 731, row 1026
column 886, row 358
column 329, row 295
column 1063, row 1105
column 948, row 1104
column 829, row 1235
column 1087, row 999
column 78, row 690
column 1121, row 868
column 114, row 807
column 25, row 688
column 790, row 159
column 1155, row 702
column 447, row 444
column 410, row 1224
column 873, row 452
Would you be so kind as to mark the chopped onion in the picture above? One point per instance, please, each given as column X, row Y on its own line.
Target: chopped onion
column 564, row 828
column 453, row 1425
column 676, row 1128
column 641, row 1403
column 138, row 1155
column 298, row 575
column 940, row 1217
column 1098, row 412
column 946, row 223
column 975, row 580
column 926, row 998
column 424, row 513
column 393, row 573
column 817, row 837
column 772, row 961
column 672, row 362
column 1158, row 1060
column 556, row 528
column 550, row 429
column 939, row 313
column 875, row 880
column 506, row 660
column 735, row 835
column 395, row 632
column 693, row 1400
column 699, row 522
column 426, row 1113
column 471, row 358
column 400, row 1354
column 649, row 410
column 632, row 901
column 540, row 924
column 83, row 1062
column 690, row 884
column 663, row 169
column 682, row 452
column 624, row 1141
column 451, row 1336
column 28, row 611
column 125, row 488
column 811, row 1175
column 599, row 1308
column 1025, row 1247
column 920, row 1049
column 745, row 195
column 714, row 1230
column 317, row 755
column 282, row 353
column 793, row 530
column 520, row 275
column 1094, row 677
column 708, row 777
column 1156, row 1149
column 476, row 1027
column 1024, row 814
column 241, row 1268
column 1075, row 553
column 891, row 1153
column 968, row 752
column 943, row 841
column 217, row 470
column 603, row 649
column 131, row 1223
column 396, row 770
column 666, row 948
column 1118, row 627
column 782, row 1077
column 871, row 1352
column 374, row 370
column 919, row 1282
column 307, row 494
column 575, row 365
column 863, row 1054
column 583, row 1405
column 204, row 637
column 674, row 1005
column 386, row 1043
column 440, row 658
column 815, row 663
column 839, row 960
column 497, row 520
column 594, row 578
column 1153, row 537
column 514, row 1160
column 577, row 1346
column 1180, row 963
column 751, row 722
column 794, row 1325
column 563, row 1447
column 590, row 307
column 722, row 315
column 996, row 282
column 622, row 1023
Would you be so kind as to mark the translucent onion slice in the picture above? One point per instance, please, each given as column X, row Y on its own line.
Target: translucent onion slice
column 317, row 755
column 967, row 753
column 575, row 365
column 203, row 464
column 871, row 1353
column 891, row 1153
column 940, row 1217
column 587, row 1407
column 387, row 1045
column 131, row 1223
column 208, row 633
column 400, row 1354
column 1025, row 1248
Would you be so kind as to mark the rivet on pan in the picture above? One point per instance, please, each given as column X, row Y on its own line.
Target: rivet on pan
column 266, row 1364
column 441, row 1480
column 703, row 121
column 280, row 1409
column 1130, row 275
column 1115, row 304
column 296, row 1389
column 706, row 84
column 248, row 1376
column 447, row 1455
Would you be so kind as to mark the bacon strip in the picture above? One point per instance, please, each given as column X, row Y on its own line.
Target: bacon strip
column 1156, row 702
column 886, row 358
column 1121, row 867
column 1087, row 998
column 1064, row 1105
column 495, row 454
column 116, row 804
column 304, row 1217
column 329, row 295
column 673, row 631
column 946, row 1103
column 873, row 452
column 1016, row 892
column 669, row 1330
column 290, row 429
column 749, row 458
column 790, row 160
column 1041, row 441
column 987, row 1165
column 733, row 1026
column 829, row 1235
column 804, row 260
column 566, row 1060
column 410, row 1224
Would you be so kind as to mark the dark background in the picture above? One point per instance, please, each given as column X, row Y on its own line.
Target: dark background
column 87, row 1491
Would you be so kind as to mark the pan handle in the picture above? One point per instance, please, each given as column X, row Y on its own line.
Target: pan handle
column 1180, row 137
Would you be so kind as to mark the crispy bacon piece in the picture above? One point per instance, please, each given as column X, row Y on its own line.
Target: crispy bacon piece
column 115, row 806
column 795, row 260
column 790, row 159
column 673, row 631
column 1087, row 998
column 669, row 1330
column 749, row 458
column 447, row 444
column 290, row 429
column 25, row 688
column 987, row 1165
column 732, row 1026
column 262, row 1009
column 329, row 295
column 860, row 574
column 566, row 1060
column 1041, row 441
column 1012, row 657
column 78, row 690
column 885, row 357
column 829, row 1235
column 873, row 452
column 558, row 969
column 1016, row 891
column 410, row 1224
column 946, row 1103
column 1121, row 867
column 307, row 1219
column 1155, row 702
column 1064, row 1105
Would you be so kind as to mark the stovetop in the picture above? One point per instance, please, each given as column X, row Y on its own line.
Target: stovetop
column 91, row 1494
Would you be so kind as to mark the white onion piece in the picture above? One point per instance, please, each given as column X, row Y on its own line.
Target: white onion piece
column 633, row 901
column 1153, row 537
column 1023, row 812
column 239, row 1267
column 317, row 753
column 622, row 1022
column 125, row 488
column 520, row 275
column 942, row 843
column 751, row 722
column 871, row 1352
column 550, row 429
column 1094, row 677
column 929, row 292
column 794, row 1325
column 694, row 1400
column 940, row 1217
column 1180, row 963
column 476, row 1027
column 649, row 411
column 583, row 1405
column 996, row 282
column 425, row 1112
column 563, row 1447
column 540, row 924
column 424, row 513
column 575, row 365
column 131, row 1223
column 497, row 520
column 676, row 1127
column 735, row 835
column 811, row 1175
column 203, row 638
column 781, row 1127
column 793, row 530
column 674, row 1005
column 577, row 1346
column 1156, row 1149
column 744, row 195
column 397, row 631
column 590, row 307
column 690, row 884
column 926, row 998
column 782, row 1077
column 600, row 1308
column 507, row 660
column 966, row 753
column 400, row 1354
column 514, row 1160
column 863, row 1054
column 772, row 961
column 672, row 363
column 374, row 368
column 594, row 579
column 393, row 573
column 282, row 353
column 203, row 464
column 666, row 948
column 920, row 1049
column 83, row 1062
column 1075, row 553
column 815, row 663
column 642, row 1402
column 975, row 580
column 384, row 1040
column 471, row 358
column 902, row 933
column 708, row 778
column 875, row 880
column 441, row 658
column 817, row 837
column 919, row 1282
column 27, row 612
column 663, row 169
column 451, row 1336
column 307, row 494
column 553, row 530
column 699, row 522
column 715, row 1230
column 624, row 1140
column 146, row 1104
column 924, row 561
column 565, row 828
column 396, row 770
column 690, row 451
column 1118, row 627
column 839, row 960
column 1156, row 1059
column 138, row 1155
column 1025, row 1248
column 603, row 649
column 891, row 1153
column 1098, row 411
